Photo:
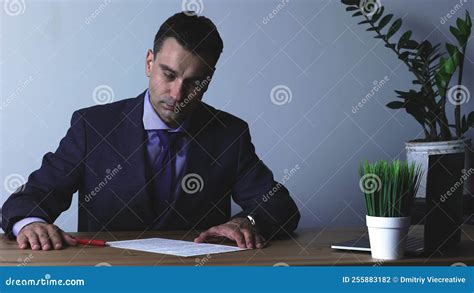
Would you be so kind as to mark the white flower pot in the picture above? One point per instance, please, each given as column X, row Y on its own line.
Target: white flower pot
column 388, row 236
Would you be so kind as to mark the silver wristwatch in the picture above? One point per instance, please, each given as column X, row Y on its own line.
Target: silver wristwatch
column 252, row 220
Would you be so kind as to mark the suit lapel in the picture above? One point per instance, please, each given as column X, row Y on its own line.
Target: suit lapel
column 131, row 142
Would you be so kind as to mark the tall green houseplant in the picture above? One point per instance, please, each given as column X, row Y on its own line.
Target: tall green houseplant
column 433, row 71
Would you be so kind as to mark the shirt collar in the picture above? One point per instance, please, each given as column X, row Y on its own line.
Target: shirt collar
column 151, row 120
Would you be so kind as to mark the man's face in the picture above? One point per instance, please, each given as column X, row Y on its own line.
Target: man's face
column 176, row 84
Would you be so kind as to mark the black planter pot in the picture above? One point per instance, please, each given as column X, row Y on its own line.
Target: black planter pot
column 439, row 204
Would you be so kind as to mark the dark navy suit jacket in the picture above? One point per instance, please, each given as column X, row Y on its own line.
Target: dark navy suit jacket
column 107, row 138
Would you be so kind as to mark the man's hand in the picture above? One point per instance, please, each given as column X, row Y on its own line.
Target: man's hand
column 39, row 235
column 238, row 229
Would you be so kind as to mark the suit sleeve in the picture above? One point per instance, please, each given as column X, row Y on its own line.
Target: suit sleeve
column 48, row 191
column 259, row 195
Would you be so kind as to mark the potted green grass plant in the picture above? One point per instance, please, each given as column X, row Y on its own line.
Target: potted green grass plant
column 389, row 190
column 434, row 85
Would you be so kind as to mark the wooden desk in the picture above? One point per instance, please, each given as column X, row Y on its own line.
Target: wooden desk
column 306, row 247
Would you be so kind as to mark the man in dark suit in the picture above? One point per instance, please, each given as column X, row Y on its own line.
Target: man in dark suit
column 161, row 161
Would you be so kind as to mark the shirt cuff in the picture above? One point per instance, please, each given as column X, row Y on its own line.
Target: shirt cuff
column 22, row 223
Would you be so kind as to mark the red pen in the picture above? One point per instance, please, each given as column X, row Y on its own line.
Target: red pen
column 91, row 242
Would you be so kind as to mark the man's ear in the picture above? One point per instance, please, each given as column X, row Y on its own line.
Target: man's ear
column 209, row 79
column 149, row 60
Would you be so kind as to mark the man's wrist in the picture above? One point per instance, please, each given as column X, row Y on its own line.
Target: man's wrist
column 24, row 222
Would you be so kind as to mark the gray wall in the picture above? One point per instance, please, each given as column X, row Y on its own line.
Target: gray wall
column 55, row 53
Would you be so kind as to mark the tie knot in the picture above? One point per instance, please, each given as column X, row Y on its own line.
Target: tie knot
column 167, row 138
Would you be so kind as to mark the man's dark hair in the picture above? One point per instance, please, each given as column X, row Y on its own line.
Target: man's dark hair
column 197, row 34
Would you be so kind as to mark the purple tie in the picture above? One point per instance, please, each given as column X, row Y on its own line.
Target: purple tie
column 164, row 169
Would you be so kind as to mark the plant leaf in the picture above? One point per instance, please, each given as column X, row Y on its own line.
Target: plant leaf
column 417, row 112
column 464, row 126
column 459, row 36
column 449, row 66
column 351, row 2
column 403, row 39
column 395, row 105
column 470, row 119
column 468, row 19
column 404, row 56
column 411, row 44
column 462, row 26
column 452, row 50
column 383, row 22
column 394, row 28
column 441, row 82
column 378, row 14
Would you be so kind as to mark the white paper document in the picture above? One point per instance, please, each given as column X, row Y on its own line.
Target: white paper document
column 173, row 247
